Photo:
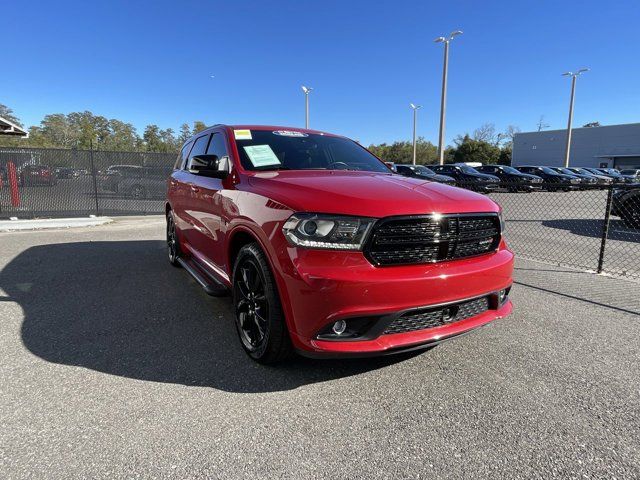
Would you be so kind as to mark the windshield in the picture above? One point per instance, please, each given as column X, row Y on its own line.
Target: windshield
column 423, row 170
column 566, row 171
column 510, row 170
column 291, row 150
column 468, row 169
column 548, row 170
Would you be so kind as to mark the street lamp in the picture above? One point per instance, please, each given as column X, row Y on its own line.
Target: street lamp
column 443, row 100
column 573, row 76
column 415, row 108
column 306, row 91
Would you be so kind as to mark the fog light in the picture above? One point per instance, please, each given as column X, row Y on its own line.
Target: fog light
column 502, row 294
column 339, row 327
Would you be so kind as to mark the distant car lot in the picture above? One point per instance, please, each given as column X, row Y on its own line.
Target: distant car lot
column 114, row 373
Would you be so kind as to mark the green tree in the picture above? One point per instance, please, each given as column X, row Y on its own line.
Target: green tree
column 402, row 151
column 7, row 114
column 198, row 126
column 185, row 133
column 468, row 149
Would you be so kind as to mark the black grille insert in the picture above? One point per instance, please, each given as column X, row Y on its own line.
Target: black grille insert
column 437, row 317
column 432, row 238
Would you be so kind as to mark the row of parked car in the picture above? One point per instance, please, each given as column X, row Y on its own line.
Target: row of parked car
column 487, row 178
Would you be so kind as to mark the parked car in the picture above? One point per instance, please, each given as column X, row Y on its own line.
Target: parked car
column 420, row 171
column 113, row 175
column 614, row 174
column 37, row 175
column 632, row 172
column 512, row 179
column 586, row 180
column 626, row 205
column 468, row 177
column 551, row 180
column 600, row 179
column 327, row 252
column 65, row 173
column 145, row 182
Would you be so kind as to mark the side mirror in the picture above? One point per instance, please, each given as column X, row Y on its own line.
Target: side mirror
column 209, row 166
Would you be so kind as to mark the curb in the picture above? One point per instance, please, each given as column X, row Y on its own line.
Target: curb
column 48, row 223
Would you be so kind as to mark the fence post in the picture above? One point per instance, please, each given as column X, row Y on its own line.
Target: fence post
column 93, row 174
column 605, row 228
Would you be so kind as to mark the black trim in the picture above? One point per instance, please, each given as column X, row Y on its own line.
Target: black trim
column 371, row 236
column 211, row 285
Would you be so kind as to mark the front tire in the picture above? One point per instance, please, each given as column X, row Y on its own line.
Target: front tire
column 259, row 318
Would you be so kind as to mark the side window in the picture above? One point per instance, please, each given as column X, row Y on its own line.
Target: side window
column 199, row 148
column 218, row 147
column 182, row 156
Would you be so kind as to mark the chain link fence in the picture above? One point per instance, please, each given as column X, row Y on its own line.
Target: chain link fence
column 594, row 228
column 65, row 183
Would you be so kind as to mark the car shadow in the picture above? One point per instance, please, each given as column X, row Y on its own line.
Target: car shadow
column 593, row 228
column 120, row 308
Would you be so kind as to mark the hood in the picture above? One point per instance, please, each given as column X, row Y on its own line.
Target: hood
column 366, row 194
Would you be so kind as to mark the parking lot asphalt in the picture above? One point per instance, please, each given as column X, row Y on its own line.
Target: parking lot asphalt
column 116, row 364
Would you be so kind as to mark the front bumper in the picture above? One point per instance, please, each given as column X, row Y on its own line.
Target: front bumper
column 323, row 287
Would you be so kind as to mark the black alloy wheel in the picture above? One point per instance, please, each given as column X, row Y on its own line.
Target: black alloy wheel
column 259, row 318
column 173, row 247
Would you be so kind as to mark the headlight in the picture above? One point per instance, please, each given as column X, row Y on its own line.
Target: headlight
column 574, row 180
column 333, row 232
column 502, row 224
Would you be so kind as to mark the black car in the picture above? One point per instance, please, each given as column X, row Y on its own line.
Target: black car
column 613, row 174
column 552, row 180
column 420, row 171
column 585, row 179
column 65, row 172
column 512, row 179
column 468, row 177
column 626, row 205
column 600, row 179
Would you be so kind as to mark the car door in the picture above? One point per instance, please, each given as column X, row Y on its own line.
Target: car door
column 189, row 190
column 209, row 222
column 176, row 186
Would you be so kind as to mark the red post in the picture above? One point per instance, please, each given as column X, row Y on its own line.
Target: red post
column 13, row 184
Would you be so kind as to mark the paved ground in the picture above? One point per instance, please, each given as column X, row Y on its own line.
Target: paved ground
column 115, row 364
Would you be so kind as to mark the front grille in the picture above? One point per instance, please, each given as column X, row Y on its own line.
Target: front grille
column 434, row 238
column 437, row 317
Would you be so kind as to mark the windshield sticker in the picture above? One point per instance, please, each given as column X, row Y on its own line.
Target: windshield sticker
column 242, row 134
column 261, row 155
column 289, row 133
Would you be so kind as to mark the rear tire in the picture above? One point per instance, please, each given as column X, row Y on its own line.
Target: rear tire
column 173, row 244
column 260, row 321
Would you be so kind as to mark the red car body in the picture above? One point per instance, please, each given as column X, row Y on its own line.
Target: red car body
column 317, row 287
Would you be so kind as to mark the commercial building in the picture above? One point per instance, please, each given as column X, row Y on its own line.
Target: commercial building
column 616, row 146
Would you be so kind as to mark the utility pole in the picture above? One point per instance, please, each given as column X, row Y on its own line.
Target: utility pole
column 443, row 99
column 573, row 76
column 307, row 91
column 415, row 109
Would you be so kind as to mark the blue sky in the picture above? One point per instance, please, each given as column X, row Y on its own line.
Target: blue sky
column 150, row 62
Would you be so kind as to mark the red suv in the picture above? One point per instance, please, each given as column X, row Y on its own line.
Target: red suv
column 325, row 250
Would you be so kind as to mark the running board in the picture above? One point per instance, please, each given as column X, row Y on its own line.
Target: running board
column 210, row 285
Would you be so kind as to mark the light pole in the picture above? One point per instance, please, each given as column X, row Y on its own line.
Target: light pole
column 415, row 108
column 306, row 91
column 443, row 100
column 573, row 76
